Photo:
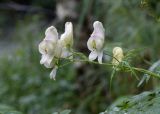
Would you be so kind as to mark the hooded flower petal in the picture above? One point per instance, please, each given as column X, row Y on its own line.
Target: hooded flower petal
column 99, row 31
column 53, row 73
column 48, row 45
column 67, row 36
column 51, row 34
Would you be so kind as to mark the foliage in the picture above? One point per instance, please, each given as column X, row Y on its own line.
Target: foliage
column 144, row 103
column 84, row 89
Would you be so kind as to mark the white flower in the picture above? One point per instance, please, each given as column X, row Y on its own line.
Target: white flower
column 66, row 40
column 52, row 48
column 47, row 46
column 117, row 56
column 67, row 36
column 96, row 42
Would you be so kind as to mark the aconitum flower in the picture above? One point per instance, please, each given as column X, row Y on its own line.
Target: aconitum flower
column 96, row 42
column 67, row 36
column 47, row 46
column 66, row 40
column 52, row 48
column 117, row 55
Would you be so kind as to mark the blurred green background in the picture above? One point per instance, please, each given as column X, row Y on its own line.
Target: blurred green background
column 83, row 88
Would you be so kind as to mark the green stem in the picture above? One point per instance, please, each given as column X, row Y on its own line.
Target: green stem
column 147, row 72
column 110, row 64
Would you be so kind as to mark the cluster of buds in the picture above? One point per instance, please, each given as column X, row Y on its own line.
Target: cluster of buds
column 54, row 48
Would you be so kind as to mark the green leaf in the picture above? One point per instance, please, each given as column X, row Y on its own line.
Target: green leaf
column 144, row 103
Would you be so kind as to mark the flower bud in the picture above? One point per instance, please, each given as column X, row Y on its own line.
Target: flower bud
column 117, row 55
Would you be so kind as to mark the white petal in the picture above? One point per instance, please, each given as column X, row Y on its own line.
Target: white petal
column 65, row 52
column 53, row 73
column 47, row 47
column 51, row 34
column 99, row 44
column 68, row 27
column 93, row 55
column 90, row 44
column 41, row 47
column 100, row 56
column 43, row 59
column 47, row 61
column 98, row 30
column 67, row 36
column 58, row 50
column 48, row 64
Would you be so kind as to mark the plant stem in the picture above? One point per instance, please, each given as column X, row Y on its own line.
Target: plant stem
column 110, row 64
column 147, row 72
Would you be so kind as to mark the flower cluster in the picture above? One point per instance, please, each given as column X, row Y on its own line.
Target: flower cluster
column 53, row 48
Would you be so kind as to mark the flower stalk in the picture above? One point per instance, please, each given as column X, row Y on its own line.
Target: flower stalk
column 53, row 49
